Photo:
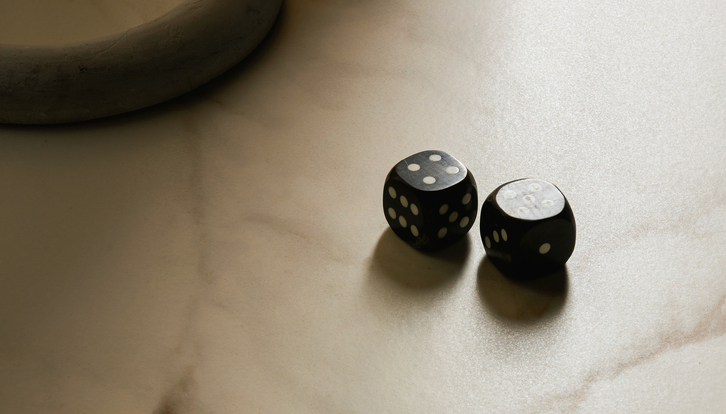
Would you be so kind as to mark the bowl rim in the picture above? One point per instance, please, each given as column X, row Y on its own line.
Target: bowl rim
column 155, row 61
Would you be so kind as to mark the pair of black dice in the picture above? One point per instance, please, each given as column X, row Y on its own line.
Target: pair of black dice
column 527, row 226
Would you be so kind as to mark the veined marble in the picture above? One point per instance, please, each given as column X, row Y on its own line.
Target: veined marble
column 227, row 252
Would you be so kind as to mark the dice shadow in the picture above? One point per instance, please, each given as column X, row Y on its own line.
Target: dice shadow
column 522, row 302
column 398, row 261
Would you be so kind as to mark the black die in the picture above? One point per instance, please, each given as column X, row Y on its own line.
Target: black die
column 528, row 228
column 430, row 200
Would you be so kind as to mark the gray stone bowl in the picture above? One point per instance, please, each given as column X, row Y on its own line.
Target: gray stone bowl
column 150, row 63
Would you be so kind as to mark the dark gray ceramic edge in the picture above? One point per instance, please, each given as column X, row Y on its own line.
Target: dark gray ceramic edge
column 148, row 64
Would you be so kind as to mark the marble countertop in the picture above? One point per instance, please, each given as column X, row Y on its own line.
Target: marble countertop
column 226, row 252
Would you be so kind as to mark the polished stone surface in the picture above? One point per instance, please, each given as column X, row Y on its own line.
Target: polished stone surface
column 227, row 252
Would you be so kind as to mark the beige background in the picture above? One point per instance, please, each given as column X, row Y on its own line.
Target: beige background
column 227, row 252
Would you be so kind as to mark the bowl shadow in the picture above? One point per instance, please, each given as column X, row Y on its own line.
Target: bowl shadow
column 522, row 302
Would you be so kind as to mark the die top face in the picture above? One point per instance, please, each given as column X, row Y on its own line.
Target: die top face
column 431, row 170
column 530, row 199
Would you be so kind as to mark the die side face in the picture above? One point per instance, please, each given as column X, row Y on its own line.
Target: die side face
column 451, row 213
column 499, row 238
column 549, row 244
column 431, row 170
column 524, row 234
column 403, row 211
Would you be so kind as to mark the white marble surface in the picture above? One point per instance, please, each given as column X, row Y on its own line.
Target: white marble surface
column 227, row 252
